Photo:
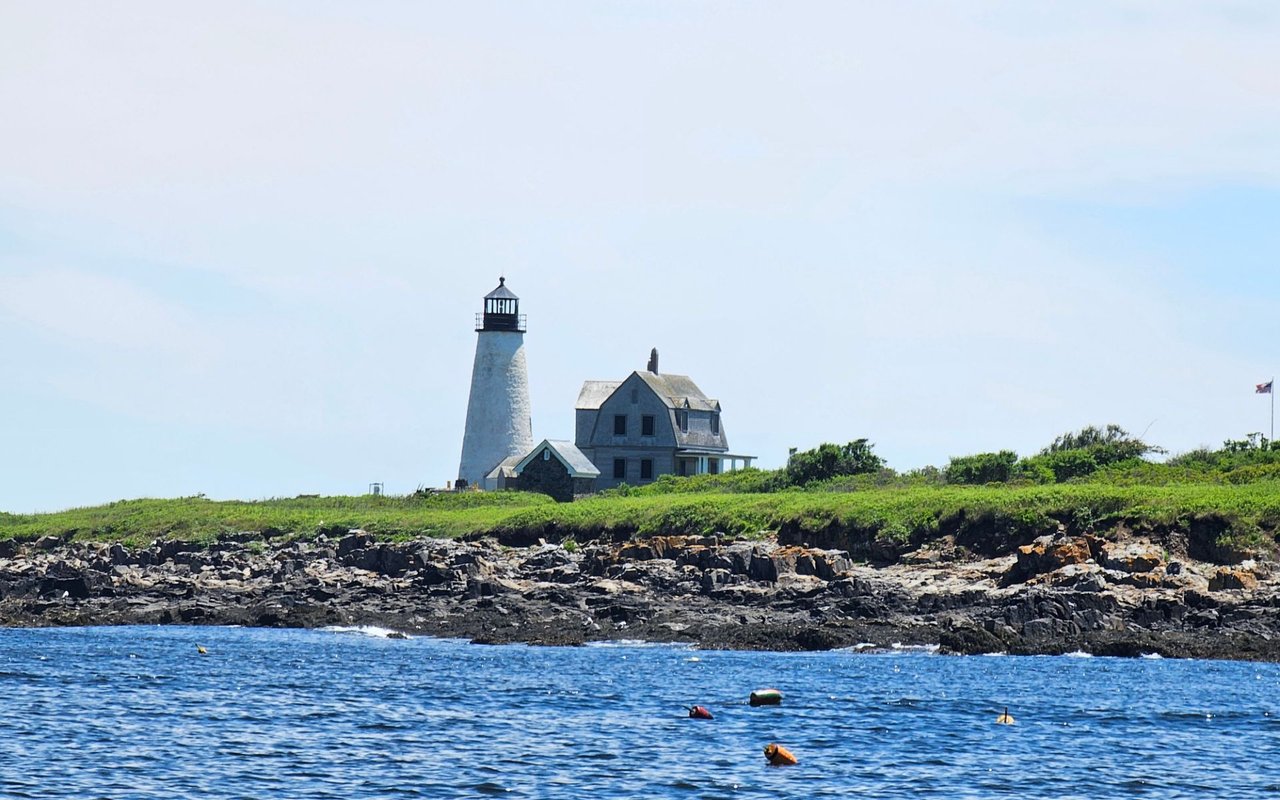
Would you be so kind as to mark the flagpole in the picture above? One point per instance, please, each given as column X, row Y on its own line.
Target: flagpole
column 1273, row 411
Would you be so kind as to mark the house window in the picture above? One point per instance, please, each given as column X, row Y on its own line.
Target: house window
column 684, row 467
column 635, row 396
column 646, row 469
column 619, row 424
column 619, row 468
column 682, row 419
column 646, row 425
column 715, row 424
column 713, row 466
column 546, row 455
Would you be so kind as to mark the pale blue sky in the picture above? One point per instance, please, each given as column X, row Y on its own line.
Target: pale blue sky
column 242, row 244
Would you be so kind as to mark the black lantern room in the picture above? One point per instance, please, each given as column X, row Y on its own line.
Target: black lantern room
column 501, row 311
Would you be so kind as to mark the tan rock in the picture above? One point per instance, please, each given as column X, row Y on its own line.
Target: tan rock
column 1134, row 557
column 1046, row 556
column 1232, row 578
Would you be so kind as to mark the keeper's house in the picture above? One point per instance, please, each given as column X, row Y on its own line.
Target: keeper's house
column 649, row 425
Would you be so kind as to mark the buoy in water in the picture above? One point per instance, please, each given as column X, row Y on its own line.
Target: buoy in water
column 1005, row 718
column 200, row 649
column 766, row 697
column 699, row 712
column 779, row 756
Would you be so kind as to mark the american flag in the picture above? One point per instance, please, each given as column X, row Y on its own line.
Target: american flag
column 1264, row 388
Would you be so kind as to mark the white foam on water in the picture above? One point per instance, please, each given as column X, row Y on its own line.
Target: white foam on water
column 915, row 648
column 1150, row 655
column 639, row 643
column 1079, row 654
column 364, row 630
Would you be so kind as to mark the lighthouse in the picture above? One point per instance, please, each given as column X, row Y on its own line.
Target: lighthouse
column 499, row 423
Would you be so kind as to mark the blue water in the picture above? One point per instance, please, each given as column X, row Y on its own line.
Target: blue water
column 138, row 713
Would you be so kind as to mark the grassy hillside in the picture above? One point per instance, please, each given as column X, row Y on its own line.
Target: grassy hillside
column 1245, row 516
column 140, row 521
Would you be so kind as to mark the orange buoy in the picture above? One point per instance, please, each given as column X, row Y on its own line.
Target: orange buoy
column 765, row 697
column 700, row 712
column 779, row 756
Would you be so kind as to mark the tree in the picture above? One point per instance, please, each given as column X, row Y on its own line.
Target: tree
column 828, row 461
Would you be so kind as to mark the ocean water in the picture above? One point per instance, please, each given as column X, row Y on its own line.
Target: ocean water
column 137, row 712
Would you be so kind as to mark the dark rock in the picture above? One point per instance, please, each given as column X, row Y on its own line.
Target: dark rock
column 713, row 578
column 970, row 639
column 763, row 568
column 74, row 587
column 353, row 541
column 383, row 559
column 1091, row 583
column 435, row 574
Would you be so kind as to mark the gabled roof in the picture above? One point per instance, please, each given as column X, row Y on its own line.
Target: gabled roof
column 594, row 393
column 574, row 460
column 678, row 391
column 506, row 468
column 502, row 292
column 675, row 391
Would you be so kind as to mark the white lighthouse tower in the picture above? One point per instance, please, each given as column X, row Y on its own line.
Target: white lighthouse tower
column 499, row 423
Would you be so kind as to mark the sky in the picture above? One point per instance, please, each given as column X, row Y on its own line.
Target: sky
column 242, row 244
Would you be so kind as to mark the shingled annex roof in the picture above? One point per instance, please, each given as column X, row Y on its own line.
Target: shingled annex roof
column 574, row 460
column 506, row 468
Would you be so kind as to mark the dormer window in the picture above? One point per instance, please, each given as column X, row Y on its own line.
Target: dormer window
column 715, row 424
column 682, row 420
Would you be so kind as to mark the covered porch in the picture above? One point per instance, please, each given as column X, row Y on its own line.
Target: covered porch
column 708, row 462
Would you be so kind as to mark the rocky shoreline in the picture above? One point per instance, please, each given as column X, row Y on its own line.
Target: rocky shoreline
column 1055, row 595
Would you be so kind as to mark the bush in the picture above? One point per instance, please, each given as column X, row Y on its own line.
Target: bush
column 1068, row 464
column 982, row 468
column 828, row 461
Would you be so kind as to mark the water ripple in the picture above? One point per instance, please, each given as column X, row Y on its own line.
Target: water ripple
column 136, row 713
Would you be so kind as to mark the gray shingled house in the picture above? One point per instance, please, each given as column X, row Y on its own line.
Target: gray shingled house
column 651, row 424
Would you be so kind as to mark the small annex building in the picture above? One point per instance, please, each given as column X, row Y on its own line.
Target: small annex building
column 553, row 467
column 651, row 424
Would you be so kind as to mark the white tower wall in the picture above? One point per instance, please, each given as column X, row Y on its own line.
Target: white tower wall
column 499, row 421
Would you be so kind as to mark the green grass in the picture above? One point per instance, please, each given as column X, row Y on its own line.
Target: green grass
column 200, row 519
column 1245, row 515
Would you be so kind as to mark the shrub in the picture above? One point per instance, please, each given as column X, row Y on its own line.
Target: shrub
column 828, row 461
column 982, row 468
column 1068, row 464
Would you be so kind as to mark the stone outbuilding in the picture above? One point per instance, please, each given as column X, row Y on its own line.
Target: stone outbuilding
column 556, row 468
